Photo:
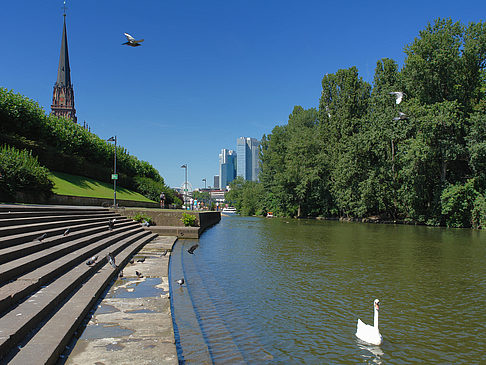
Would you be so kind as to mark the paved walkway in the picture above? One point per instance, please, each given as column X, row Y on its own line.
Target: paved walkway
column 133, row 323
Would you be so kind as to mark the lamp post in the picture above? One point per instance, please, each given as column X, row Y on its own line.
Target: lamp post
column 114, row 176
column 185, row 186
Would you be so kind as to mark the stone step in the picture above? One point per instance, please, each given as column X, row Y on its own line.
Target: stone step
column 17, row 323
column 46, row 208
column 40, row 213
column 55, row 237
column 19, row 221
column 14, row 291
column 50, row 341
column 10, row 236
column 11, row 269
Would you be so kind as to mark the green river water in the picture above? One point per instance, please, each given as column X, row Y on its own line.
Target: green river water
column 290, row 292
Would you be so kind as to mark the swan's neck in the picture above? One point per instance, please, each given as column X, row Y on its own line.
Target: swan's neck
column 375, row 324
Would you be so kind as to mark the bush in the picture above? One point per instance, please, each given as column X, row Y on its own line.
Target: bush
column 189, row 220
column 457, row 204
column 20, row 172
column 478, row 214
column 140, row 218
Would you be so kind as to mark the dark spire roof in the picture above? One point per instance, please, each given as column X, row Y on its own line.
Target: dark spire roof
column 64, row 72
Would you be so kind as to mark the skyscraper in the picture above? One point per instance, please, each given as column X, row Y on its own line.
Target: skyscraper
column 63, row 94
column 247, row 150
column 227, row 167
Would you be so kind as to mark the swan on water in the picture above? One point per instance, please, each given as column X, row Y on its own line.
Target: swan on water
column 367, row 333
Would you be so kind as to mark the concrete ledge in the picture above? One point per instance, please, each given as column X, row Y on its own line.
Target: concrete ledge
column 179, row 232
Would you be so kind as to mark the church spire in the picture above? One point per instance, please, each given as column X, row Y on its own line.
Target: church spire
column 63, row 95
column 63, row 71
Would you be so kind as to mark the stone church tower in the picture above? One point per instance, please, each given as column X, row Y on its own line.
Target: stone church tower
column 63, row 95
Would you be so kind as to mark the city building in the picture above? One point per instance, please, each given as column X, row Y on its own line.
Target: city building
column 248, row 160
column 63, row 94
column 227, row 167
column 216, row 181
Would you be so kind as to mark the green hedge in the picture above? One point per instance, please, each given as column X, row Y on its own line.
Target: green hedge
column 21, row 172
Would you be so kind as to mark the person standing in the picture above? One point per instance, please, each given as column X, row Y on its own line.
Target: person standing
column 162, row 200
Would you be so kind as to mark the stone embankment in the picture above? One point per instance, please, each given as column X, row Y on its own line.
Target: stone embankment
column 46, row 286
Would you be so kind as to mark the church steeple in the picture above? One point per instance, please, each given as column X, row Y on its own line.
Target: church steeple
column 63, row 95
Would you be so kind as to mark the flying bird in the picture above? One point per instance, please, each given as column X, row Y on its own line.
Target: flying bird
column 193, row 248
column 66, row 232
column 92, row 260
column 401, row 116
column 131, row 41
column 139, row 274
column 180, row 281
column 111, row 260
column 111, row 224
column 41, row 237
column 398, row 96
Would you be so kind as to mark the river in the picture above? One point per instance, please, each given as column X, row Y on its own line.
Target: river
column 290, row 292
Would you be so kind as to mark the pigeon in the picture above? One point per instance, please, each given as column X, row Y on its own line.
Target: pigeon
column 111, row 224
column 398, row 95
column 402, row 116
column 66, row 232
column 132, row 261
column 92, row 260
column 139, row 274
column 41, row 237
column 141, row 260
column 180, row 281
column 131, row 41
column 111, row 260
column 121, row 274
column 192, row 249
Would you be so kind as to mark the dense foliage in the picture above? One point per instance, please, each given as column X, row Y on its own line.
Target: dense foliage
column 357, row 156
column 21, row 172
column 64, row 146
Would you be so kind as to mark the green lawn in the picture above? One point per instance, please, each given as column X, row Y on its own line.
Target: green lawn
column 66, row 184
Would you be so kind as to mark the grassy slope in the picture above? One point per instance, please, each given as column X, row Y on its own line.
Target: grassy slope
column 66, row 184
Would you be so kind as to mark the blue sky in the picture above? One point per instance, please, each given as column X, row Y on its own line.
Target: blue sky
column 208, row 72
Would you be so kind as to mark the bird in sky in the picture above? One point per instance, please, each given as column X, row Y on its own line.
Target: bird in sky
column 41, row 237
column 111, row 259
column 131, row 41
column 401, row 116
column 192, row 249
column 92, row 260
column 180, row 281
column 398, row 96
column 66, row 232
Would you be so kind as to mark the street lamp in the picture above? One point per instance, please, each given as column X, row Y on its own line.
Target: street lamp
column 114, row 176
column 185, row 186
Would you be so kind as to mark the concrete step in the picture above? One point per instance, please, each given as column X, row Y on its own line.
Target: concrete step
column 41, row 213
column 55, row 237
column 11, row 269
column 19, row 221
column 49, row 342
column 14, row 291
column 44, row 208
column 17, row 323
column 10, row 236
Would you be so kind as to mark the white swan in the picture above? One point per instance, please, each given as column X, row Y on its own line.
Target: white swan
column 367, row 333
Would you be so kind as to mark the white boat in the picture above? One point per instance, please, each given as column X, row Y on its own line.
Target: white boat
column 229, row 210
